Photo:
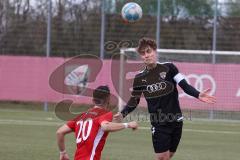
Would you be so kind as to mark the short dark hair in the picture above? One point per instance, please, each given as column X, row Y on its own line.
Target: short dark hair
column 101, row 94
column 144, row 43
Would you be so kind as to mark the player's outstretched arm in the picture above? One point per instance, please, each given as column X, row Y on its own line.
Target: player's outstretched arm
column 112, row 127
column 202, row 96
column 61, row 132
column 205, row 97
column 131, row 105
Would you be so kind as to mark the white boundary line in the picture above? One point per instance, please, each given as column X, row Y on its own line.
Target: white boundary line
column 201, row 131
column 52, row 123
column 30, row 123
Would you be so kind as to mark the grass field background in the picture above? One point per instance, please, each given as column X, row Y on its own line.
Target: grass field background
column 29, row 134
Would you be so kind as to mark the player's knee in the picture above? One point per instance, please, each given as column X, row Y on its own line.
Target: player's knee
column 163, row 156
column 171, row 154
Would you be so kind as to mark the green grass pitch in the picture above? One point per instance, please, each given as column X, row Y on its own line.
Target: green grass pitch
column 30, row 135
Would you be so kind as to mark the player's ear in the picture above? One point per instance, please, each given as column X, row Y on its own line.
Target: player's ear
column 108, row 100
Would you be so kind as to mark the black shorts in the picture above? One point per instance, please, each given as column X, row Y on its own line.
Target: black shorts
column 167, row 137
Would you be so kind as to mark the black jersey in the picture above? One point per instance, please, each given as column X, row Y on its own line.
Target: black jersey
column 159, row 87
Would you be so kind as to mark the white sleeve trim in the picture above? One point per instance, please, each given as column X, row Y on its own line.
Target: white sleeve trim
column 178, row 77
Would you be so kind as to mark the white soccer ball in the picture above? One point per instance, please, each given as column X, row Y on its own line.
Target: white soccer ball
column 131, row 12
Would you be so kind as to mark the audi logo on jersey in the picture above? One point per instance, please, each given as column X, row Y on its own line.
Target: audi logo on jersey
column 199, row 81
column 156, row 87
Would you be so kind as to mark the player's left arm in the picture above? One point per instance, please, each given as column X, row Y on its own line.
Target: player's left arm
column 108, row 126
column 113, row 127
column 190, row 90
column 61, row 132
column 202, row 96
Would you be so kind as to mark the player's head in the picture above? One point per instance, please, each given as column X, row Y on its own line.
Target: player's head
column 101, row 96
column 147, row 49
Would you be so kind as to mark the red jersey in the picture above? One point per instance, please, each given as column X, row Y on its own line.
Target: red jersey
column 90, row 138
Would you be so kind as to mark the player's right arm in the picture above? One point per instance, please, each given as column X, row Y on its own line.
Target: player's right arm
column 112, row 127
column 61, row 132
column 134, row 100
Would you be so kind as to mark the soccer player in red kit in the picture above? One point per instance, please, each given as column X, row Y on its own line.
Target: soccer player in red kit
column 91, row 128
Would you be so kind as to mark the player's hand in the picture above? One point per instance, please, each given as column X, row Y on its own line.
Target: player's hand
column 205, row 97
column 64, row 156
column 133, row 125
column 118, row 117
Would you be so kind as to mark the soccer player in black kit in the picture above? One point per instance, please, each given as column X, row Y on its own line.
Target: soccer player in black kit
column 158, row 83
